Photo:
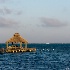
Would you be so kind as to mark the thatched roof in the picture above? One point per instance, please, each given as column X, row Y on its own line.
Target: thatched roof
column 16, row 39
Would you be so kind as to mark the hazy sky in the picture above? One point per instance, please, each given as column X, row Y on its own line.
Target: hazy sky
column 38, row 21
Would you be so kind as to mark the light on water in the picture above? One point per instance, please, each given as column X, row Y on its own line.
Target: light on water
column 47, row 49
column 67, row 68
column 53, row 49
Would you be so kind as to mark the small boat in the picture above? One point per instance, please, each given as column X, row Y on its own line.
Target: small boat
column 2, row 50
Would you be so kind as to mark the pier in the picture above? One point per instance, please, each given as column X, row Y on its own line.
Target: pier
column 13, row 48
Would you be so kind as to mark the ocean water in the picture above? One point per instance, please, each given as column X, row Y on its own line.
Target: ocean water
column 47, row 57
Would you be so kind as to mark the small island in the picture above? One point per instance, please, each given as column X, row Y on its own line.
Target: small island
column 14, row 48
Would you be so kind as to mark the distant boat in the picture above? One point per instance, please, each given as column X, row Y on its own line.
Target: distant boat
column 47, row 43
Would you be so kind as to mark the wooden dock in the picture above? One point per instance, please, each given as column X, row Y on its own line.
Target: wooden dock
column 18, row 49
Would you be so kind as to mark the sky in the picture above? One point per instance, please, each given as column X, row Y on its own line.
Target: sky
column 38, row 21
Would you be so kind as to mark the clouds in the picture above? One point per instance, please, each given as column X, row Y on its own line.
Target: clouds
column 9, row 11
column 4, row 22
column 5, row 7
column 50, row 22
column 2, row 1
column 5, row 11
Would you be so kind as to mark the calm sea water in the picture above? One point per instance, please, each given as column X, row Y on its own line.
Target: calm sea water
column 47, row 57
